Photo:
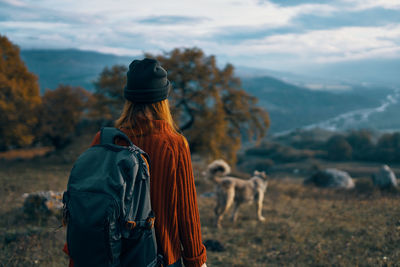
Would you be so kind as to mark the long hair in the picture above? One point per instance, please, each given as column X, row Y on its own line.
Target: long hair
column 136, row 117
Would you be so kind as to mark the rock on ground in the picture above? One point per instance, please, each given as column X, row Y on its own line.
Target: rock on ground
column 331, row 178
column 384, row 178
column 42, row 204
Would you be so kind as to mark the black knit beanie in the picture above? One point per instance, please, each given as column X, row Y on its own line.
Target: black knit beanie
column 146, row 82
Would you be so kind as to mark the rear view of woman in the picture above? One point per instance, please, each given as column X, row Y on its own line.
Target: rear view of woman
column 147, row 121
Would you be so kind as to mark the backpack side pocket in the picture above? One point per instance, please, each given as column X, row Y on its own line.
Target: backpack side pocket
column 92, row 233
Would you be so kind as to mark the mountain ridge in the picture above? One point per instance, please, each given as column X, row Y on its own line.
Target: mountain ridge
column 290, row 105
column 69, row 66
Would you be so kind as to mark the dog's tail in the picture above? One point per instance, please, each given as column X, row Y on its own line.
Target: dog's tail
column 216, row 169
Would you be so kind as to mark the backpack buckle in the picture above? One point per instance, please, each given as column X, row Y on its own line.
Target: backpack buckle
column 130, row 225
column 132, row 149
column 150, row 222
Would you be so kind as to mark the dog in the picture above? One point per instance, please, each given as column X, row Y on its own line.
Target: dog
column 236, row 191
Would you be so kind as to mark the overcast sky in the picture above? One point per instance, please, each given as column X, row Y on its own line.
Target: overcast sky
column 284, row 34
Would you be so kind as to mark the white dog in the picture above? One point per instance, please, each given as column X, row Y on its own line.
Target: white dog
column 232, row 190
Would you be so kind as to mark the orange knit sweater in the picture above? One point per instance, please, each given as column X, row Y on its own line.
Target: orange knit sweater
column 173, row 194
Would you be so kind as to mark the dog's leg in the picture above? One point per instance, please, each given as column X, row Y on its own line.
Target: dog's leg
column 224, row 208
column 221, row 199
column 219, row 208
column 235, row 212
column 259, row 206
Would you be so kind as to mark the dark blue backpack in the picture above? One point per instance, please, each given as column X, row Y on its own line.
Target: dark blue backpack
column 107, row 206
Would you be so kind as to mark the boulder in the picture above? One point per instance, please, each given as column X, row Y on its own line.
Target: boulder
column 331, row 178
column 384, row 178
column 42, row 204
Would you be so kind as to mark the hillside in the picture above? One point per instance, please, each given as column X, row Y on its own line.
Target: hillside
column 290, row 106
column 71, row 66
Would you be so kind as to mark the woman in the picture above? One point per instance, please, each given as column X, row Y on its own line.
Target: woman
column 147, row 120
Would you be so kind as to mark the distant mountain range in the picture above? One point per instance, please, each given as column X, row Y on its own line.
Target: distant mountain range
column 291, row 106
column 70, row 66
column 332, row 103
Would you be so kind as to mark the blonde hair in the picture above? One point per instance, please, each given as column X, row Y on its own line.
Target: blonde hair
column 137, row 117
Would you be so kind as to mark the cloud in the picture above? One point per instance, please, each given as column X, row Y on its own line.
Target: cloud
column 289, row 32
column 33, row 25
column 16, row 3
column 296, row 2
column 44, row 14
column 171, row 20
column 365, row 18
column 113, row 50
column 322, row 46
column 367, row 4
column 207, row 13
column 343, row 4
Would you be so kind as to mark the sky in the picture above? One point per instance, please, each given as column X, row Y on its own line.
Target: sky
column 274, row 34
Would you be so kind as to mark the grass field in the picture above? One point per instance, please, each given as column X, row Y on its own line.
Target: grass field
column 305, row 226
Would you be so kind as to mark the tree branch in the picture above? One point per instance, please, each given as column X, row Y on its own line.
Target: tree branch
column 190, row 112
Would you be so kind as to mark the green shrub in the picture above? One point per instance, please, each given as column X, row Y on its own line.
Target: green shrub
column 338, row 148
column 362, row 145
column 388, row 148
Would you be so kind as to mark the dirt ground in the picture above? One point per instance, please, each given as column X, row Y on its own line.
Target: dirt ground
column 305, row 226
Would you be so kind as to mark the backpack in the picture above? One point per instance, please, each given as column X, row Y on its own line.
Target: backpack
column 107, row 206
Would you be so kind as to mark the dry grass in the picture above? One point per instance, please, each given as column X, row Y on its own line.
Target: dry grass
column 24, row 242
column 305, row 226
column 310, row 227
column 25, row 153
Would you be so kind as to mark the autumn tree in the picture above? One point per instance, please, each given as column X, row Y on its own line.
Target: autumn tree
column 19, row 98
column 60, row 113
column 211, row 108
column 107, row 101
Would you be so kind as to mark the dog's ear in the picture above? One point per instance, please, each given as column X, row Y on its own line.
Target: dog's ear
column 260, row 174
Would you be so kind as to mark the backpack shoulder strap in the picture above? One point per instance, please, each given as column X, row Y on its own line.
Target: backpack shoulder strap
column 108, row 135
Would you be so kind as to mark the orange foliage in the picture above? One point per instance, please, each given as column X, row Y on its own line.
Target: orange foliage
column 19, row 98
column 60, row 113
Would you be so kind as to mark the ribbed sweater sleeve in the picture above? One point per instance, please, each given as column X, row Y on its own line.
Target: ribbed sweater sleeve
column 194, row 252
